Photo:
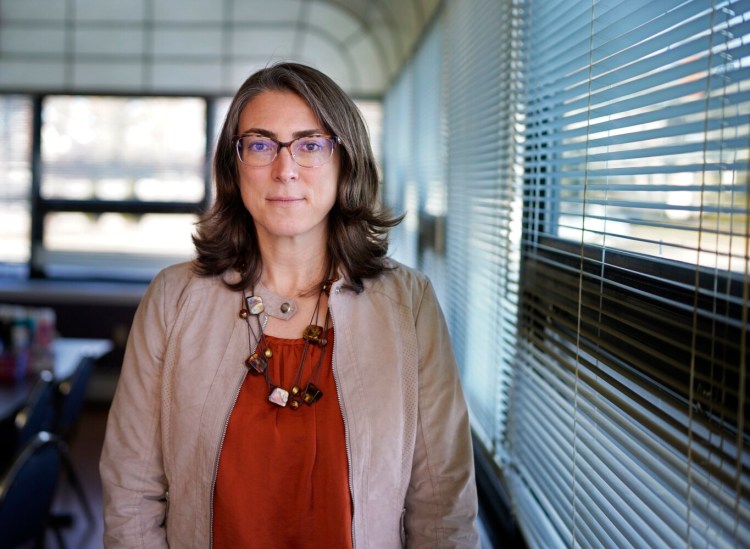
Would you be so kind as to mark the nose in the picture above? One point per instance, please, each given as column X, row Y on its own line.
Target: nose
column 284, row 168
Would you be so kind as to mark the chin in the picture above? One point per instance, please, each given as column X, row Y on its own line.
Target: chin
column 291, row 228
column 290, row 231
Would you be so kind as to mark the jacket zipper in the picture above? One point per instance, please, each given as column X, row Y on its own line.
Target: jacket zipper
column 221, row 445
column 346, row 422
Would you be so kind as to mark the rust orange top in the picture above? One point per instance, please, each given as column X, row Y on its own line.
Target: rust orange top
column 283, row 476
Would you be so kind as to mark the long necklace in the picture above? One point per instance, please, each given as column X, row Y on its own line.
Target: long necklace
column 258, row 359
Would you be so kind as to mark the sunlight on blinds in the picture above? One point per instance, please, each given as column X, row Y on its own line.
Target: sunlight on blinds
column 484, row 205
column 629, row 419
column 653, row 148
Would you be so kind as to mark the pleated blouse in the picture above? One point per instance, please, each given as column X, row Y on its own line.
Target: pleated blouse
column 283, row 476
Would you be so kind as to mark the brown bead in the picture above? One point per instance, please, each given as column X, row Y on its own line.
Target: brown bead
column 256, row 364
column 313, row 334
column 312, row 394
column 244, row 313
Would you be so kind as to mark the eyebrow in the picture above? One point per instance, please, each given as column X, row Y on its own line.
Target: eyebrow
column 295, row 135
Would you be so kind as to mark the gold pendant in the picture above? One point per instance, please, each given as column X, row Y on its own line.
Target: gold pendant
column 295, row 398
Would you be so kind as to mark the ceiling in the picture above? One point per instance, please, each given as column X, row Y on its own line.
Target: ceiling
column 361, row 43
column 205, row 46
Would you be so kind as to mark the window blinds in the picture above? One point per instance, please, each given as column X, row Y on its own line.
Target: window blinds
column 609, row 377
column 484, row 207
column 629, row 421
column 399, row 186
column 450, row 138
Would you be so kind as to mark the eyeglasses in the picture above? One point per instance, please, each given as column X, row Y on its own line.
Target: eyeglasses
column 309, row 151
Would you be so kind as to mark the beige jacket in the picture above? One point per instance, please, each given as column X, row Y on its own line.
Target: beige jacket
column 407, row 429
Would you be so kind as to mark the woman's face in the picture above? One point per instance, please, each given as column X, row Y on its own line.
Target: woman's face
column 286, row 200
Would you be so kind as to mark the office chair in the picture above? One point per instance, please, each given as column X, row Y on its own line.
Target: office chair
column 39, row 411
column 26, row 493
column 37, row 414
column 71, row 395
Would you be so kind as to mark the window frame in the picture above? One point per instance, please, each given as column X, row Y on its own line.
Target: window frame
column 40, row 207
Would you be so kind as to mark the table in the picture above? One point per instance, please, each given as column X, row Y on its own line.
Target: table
column 68, row 354
column 70, row 351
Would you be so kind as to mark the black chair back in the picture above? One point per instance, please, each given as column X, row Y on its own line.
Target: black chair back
column 71, row 394
column 38, row 414
column 27, row 491
column 72, row 397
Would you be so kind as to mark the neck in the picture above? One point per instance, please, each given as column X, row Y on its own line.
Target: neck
column 293, row 270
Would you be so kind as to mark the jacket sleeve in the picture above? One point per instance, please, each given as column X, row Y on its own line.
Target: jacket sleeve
column 441, row 501
column 133, row 479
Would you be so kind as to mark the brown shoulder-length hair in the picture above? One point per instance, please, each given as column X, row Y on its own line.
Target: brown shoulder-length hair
column 357, row 240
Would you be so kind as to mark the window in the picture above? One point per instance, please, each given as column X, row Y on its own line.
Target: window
column 118, row 184
column 650, row 144
column 15, row 165
column 453, row 163
column 628, row 419
column 598, row 259
column 120, row 181
column 98, row 186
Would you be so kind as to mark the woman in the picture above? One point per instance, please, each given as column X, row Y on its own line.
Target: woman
column 291, row 387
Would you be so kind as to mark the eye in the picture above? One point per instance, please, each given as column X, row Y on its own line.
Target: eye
column 258, row 144
column 311, row 145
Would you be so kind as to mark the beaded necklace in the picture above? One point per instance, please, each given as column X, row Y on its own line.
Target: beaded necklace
column 258, row 361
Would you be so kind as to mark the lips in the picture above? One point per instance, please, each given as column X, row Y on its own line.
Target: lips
column 284, row 200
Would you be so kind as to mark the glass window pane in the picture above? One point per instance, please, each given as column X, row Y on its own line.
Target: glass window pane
column 220, row 109
column 654, row 162
column 15, row 186
column 114, row 244
column 372, row 112
column 123, row 148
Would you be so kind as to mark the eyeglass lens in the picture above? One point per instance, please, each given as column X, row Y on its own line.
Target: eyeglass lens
column 309, row 151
